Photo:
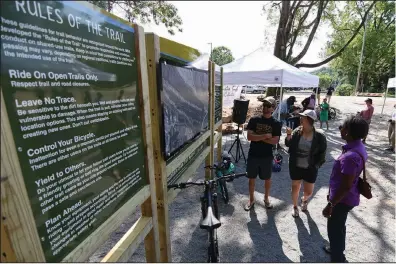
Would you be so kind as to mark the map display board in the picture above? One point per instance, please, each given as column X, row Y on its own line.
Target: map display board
column 69, row 81
column 185, row 100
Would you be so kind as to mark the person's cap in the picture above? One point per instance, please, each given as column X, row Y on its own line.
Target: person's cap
column 270, row 100
column 309, row 113
column 293, row 99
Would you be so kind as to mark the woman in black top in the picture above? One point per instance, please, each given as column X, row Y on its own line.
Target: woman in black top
column 307, row 150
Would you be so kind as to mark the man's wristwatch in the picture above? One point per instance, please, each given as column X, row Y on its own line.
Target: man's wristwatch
column 331, row 204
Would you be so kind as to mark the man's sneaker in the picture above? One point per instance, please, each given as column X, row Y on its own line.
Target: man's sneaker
column 295, row 213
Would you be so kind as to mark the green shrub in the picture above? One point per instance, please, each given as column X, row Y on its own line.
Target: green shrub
column 345, row 89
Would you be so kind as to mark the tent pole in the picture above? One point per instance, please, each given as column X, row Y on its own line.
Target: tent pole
column 316, row 94
column 386, row 93
column 280, row 101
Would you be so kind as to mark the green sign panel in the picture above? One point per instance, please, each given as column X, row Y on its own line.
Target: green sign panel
column 69, row 80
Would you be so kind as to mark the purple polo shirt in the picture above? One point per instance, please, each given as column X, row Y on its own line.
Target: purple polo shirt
column 348, row 163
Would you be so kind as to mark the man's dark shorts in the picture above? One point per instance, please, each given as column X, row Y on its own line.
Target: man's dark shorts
column 259, row 166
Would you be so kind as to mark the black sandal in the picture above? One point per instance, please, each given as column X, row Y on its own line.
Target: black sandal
column 248, row 206
column 268, row 205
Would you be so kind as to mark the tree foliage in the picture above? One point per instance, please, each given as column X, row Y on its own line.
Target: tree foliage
column 159, row 12
column 345, row 89
column 222, row 55
column 325, row 80
column 363, row 10
column 298, row 22
column 379, row 52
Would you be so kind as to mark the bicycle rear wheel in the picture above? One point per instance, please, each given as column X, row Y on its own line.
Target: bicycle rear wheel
column 332, row 114
column 213, row 249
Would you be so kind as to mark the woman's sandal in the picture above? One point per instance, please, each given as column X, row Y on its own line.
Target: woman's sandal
column 295, row 213
column 249, row 206
column 268, row 205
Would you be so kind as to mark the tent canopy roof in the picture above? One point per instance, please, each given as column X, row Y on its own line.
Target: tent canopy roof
column 261, row 67
column 202, row 63
column 392, row 82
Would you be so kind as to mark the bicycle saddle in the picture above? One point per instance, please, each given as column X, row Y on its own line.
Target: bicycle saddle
column 210, row 221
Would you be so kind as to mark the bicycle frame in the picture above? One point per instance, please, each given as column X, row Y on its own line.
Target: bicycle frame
column 210, row 211
column 209, row 202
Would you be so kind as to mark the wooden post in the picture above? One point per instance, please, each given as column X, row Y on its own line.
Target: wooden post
column 212, row 114
column 7, row 253
column 16, row 212
column 149, row 207
column 209, row 158
column 220, row 128
column 153, row 56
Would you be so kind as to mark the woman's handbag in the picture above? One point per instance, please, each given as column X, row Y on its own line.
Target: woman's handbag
column 363, row 186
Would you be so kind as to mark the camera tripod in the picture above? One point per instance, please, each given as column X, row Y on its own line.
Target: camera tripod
column 239, row 150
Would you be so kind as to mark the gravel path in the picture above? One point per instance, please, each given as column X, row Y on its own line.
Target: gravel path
column 274, row 235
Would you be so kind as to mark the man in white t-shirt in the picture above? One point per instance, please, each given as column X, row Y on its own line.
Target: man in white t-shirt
column 391, row 131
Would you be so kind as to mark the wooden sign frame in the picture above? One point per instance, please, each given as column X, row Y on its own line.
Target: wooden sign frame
column 20, row 239
column 163, row 170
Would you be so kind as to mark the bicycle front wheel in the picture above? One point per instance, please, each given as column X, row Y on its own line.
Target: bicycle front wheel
column 224, row 191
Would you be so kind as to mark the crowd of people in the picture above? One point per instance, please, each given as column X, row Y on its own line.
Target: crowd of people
column 307, row 148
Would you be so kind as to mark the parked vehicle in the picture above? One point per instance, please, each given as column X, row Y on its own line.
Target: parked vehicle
column 253, row 89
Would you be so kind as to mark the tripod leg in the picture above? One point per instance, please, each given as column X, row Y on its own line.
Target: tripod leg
column 237, row 154
column 241, row 152
column 229, row 151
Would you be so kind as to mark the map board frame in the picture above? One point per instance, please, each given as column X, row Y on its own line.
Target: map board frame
column 18, row 224
column 189, row 159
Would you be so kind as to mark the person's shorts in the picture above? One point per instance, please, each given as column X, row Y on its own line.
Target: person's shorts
column 308, row 175
column 259, row 166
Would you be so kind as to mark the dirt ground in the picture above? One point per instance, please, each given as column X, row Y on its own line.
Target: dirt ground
column 274, row 235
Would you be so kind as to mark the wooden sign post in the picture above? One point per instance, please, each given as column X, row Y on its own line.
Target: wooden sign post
column 76, row 143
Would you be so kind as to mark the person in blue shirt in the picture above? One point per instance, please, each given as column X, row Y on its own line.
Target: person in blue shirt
column 285, row 108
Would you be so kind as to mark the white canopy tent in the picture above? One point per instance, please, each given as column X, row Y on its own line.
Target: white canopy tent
column 229, row 93
column 202, row 63
column 261, row 67
column 391, row 84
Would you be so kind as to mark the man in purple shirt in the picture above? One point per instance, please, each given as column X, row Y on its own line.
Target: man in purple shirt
column 343, row 190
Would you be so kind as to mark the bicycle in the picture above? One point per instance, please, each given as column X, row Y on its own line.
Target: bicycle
column 209, row 209
column 332, row 113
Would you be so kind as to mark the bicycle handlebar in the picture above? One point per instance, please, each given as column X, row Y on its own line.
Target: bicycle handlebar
column 183, row 185
column 214, row 167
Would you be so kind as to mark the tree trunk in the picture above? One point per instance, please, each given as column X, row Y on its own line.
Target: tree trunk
column 274, row 91
column 280, row 42
column 338, row 53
